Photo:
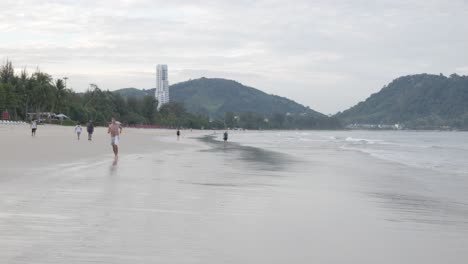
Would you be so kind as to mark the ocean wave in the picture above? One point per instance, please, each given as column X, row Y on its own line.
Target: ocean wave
column 330, row 137
column 364, row 140
column 412, row 159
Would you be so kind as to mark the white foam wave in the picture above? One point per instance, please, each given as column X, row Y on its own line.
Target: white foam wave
column 363, row 140
column 412, row 159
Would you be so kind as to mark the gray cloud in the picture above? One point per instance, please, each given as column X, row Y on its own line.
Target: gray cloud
column 325, row 54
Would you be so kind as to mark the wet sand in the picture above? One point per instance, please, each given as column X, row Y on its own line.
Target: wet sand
column 199, row 200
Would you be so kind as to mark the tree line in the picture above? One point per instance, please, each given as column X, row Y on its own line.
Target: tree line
column 38, row 92
column 24, row 93
column 250, row 120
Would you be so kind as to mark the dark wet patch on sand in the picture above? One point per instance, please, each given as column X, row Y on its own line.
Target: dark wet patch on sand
column 217, row 184
column 261, row 158
column 422, row 209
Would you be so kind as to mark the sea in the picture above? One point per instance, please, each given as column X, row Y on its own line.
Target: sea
column 444, row 152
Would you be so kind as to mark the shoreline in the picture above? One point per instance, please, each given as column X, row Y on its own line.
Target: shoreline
column 55, row 144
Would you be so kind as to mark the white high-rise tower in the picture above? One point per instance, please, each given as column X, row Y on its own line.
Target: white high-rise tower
column 162, row 85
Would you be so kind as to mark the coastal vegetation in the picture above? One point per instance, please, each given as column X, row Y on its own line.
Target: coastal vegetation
column 26, row 95
column 421, row 101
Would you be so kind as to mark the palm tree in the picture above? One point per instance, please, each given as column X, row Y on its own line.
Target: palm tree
column 61, row 94
column 43, row 92
column 7, row 73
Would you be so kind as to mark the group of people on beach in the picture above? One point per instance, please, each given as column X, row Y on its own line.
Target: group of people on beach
column 78, row 129
column 114, row 129
column 89, row 129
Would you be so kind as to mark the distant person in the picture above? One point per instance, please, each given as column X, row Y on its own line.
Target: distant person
column 225, row 136
column 178, row 133
column 33, row 128
column 90, row 130
column 115, row 130
column 78, row 130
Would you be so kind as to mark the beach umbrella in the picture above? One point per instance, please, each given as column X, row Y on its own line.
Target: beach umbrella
column 62, row 116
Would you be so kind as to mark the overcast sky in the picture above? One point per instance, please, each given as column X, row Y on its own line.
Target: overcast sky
column 328, row 55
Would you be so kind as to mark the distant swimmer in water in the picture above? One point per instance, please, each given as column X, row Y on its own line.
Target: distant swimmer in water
column 225, row 136
column 90, row 129
column 178, row 133
column 115, row 130
column 33, row 128
column 78, row 130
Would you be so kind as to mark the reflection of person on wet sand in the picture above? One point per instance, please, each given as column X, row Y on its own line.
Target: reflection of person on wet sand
column 115, row 130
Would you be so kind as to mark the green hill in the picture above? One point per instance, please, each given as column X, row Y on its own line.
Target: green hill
column 214, row 97
column 133, row 92
column 235, row 105
column 421, row 101
column 217, row 96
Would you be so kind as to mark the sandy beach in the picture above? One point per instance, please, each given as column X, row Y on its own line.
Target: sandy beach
column 58, row 144
column 264, row 197
column 51, row 181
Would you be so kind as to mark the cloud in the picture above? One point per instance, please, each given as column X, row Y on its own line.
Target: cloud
column 326, row 54
column 462, row 70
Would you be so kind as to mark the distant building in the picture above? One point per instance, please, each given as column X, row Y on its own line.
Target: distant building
column 162, row 85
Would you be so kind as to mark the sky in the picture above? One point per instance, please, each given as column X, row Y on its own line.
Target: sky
column 327, row 55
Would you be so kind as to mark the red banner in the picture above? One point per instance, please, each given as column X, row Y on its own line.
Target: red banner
column 6, row 115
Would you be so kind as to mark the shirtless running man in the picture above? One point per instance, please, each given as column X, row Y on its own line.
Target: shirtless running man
column 115, row 130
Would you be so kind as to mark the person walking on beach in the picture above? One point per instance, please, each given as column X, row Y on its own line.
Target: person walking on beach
column 90, row 129
column 115, row 130
column 78, row 130
column 225, row 136
column 33, row 128
column 178, row 134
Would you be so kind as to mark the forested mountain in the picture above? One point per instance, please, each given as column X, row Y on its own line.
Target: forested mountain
column 421, row 101
column 215, row 96
column 237, row 105
column 133, row 92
